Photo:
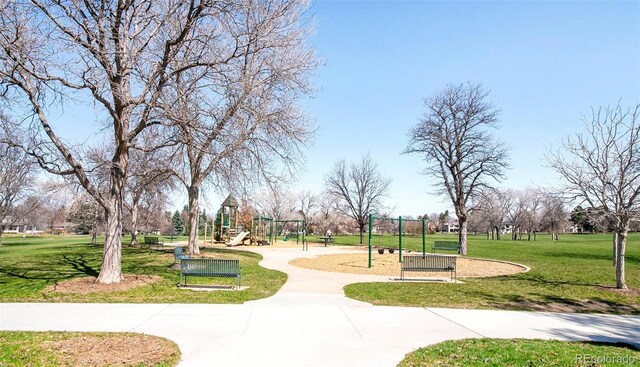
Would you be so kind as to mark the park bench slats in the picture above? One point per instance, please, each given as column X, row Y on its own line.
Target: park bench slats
column 153, row 241
column 429, row 263
column 209, row 268
column 445, row 245
column 178, row 254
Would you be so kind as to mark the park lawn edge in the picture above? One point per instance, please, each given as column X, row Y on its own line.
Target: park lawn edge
column 479, row 352
column 29, row 270
column 34, row 348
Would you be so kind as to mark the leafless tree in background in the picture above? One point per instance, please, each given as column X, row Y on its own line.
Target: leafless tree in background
column 16, row 178
column 461, row 154
column 532, row 215
column 305, row 204
column 326, row 214
column 602, row 168
column 119, row 57
column 490, row 207
column 276, row 204
column 239, row 121
column 87, row 214
column 150, row 178
column 359, row 190
column 553, row 214
column 55, row 197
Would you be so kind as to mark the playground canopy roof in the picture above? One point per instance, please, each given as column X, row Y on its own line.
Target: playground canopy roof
column 230, row 201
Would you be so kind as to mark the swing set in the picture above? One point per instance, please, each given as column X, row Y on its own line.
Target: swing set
column 394, row 233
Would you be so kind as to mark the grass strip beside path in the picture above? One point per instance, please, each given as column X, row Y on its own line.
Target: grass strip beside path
column 35, row 349
column 521, row 352
column 29, row 268
column 574, row 274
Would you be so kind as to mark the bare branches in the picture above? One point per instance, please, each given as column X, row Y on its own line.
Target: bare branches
column 359, row 190
column 601, row 167
column 460, row 153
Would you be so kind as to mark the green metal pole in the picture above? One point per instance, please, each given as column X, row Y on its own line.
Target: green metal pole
column 424, row 237
column 370, row 222
column 271, row 233
column 400, row 238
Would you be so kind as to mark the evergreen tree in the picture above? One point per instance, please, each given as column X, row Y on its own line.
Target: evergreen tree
column 178, row 223
column 202, row 219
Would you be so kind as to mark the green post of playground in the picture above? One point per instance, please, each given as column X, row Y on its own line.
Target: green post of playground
column 400, row 239
column 370, row 221
column 424, row 237
column 271, row 233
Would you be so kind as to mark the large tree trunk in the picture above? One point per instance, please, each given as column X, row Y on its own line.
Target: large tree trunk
column 361, row 234
column 621, row 248
column 134, row 224
column 194, row 211
column 111, row 269
column 615, row 248
column 462, row 235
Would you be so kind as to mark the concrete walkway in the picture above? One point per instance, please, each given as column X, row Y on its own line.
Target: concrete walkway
column 309, row 322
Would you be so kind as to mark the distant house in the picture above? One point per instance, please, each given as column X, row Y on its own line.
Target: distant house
column 10, row 226
column 451, row 227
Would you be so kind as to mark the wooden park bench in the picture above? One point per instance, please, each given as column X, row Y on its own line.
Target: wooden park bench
column 209, row 268
column 445, row 245
column 152, row 241
column 179, row 255
column 429, row 263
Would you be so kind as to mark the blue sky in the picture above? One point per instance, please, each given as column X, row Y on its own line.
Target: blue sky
column 545, row 63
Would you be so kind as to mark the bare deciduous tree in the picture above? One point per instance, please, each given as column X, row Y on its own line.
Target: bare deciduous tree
column 276, row 204
column 121, row 56
column 16, row 176
column 305, row 204
column 454, row 139
column 602, row 168
column 553, row 214
column 87, row 214
column 359, row 190
column 150, row 177
column 240, row 122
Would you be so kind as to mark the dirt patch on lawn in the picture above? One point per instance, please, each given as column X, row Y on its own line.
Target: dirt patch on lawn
column 387, row 264
column 626, row 292
column 88, row 285
column 112, row 350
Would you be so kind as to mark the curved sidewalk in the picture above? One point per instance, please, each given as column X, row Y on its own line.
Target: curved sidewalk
column 309, row 322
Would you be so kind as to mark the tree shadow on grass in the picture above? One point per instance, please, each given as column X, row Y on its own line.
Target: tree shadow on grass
column 540, row 280
column 53, row 270
column 553, row 303
column 80, row 264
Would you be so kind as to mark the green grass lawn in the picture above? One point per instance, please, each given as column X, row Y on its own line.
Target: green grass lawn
column 521, row 352
column 572, row 274
column 29, row 266
column 34, row 349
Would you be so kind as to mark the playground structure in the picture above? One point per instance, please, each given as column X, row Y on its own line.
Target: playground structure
column 261, row 230
column 287, row 228
column 393, row 233
column 226, row 222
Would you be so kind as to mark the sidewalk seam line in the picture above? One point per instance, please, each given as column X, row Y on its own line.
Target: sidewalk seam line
column 246, row 326
column 351, row 322
column 462, row 326
column 150, row 317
